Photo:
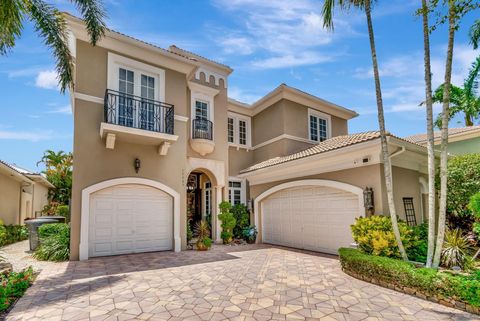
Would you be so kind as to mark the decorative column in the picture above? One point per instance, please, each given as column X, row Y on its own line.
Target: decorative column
column 218, row 200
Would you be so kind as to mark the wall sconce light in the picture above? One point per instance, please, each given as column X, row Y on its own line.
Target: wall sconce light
column 368, row 201
column 137, row 165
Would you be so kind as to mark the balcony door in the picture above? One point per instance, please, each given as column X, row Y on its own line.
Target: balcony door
column 138, row 100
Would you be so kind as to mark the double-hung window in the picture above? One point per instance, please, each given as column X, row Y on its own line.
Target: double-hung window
column 201, row 115
column 231, row 130
column 238, row 130
column 235, row 192
column 319, row 126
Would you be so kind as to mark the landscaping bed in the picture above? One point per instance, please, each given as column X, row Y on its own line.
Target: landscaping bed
column 461, row 291
column 13, row 286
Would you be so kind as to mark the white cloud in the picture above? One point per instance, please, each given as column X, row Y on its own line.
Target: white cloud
column 32, row 136
column 402, row 76
column 47, row 79
column 281, row 33
column 291, row 60
column 242, row 96
column 237, row 45
column 66, row 110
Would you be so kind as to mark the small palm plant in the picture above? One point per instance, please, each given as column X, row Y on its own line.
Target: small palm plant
column 202, row 230
column 455, row 249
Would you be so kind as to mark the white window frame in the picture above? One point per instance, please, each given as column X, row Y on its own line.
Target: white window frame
column 116, row 61
column 206, row 95
column 236, row 130
column 243, row 189
column 319, row 114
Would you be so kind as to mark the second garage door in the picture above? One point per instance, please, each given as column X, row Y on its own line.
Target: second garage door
column 130, row 218
column 310, row 217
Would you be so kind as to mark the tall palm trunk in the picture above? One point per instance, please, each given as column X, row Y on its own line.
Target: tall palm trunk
column 443, row 149
column 381, row 122
column 430, row 144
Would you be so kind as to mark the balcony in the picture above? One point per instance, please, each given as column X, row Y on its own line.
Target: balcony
column 202, row 136
column 139, row 120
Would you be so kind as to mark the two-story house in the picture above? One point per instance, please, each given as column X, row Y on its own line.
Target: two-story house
column 158, row 145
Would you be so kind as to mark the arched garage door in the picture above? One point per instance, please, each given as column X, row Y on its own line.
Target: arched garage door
column 130, row 218
column 316, row 218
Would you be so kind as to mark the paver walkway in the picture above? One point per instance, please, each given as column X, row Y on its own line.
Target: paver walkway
column 227, row 283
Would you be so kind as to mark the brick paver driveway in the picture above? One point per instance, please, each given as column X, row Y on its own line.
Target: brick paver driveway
column 227, row 283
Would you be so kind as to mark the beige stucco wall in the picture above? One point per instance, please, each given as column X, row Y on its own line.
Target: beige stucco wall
column 406, row 184
column 9, row 200
column 40, row 198
column 238, row 159
column 268, row 124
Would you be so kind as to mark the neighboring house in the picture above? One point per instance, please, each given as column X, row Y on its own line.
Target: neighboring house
column 462, row 140
column 23, row 193
column 158, row 145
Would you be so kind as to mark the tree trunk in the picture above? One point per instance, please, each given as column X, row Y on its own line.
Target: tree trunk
column 430, row 137
column 383, row 137
column 468, row 120
column 443, row 150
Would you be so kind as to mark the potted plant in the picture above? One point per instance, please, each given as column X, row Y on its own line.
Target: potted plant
column 204, row 241
column 250, row 234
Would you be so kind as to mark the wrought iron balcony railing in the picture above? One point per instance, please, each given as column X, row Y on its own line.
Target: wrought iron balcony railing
column 137, row 112
column 202, row 129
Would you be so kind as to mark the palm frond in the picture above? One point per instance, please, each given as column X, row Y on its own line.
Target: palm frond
column 93, row 14
column 329, row 8
column 51, row 25
column 474, row 34
column 11, row 24
column 471, row 82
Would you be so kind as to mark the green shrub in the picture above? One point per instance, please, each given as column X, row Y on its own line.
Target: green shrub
column 12, row 233
column 63, row 210
column 47, row 230
column 374, row 235
column 463, row 182
column 398, row 273
column 455, row 249
column 418, row 252
column 54, row 242
column 14, row 286
column 228, row 222
column 242, row 216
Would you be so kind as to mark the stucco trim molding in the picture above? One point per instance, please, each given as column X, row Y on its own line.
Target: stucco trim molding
column 89, row 98
column 85, row 208
column 308, row 182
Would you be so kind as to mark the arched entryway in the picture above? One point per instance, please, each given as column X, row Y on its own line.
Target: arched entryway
column 200, row 198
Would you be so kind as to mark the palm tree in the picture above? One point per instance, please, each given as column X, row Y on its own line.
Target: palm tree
column 58, row 171
column 474, row 34
column 430, row 136
column 52, row 27
column 452, row 25
column 462, row 99
column 365, row 5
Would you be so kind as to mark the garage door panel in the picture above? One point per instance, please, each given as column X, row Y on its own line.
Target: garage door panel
column 129, row 219
column 309, row 217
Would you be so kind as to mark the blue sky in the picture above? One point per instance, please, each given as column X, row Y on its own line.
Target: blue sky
column 265, row 42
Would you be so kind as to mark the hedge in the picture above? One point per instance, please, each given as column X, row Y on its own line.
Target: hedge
column 12, row 233
column 446, row 288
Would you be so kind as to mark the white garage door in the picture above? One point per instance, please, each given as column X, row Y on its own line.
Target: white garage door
column 130, row 219
column 310, row 217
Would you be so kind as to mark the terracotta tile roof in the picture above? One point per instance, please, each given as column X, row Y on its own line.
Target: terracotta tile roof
column 325, row 146
column 422, row 138
column 180, row 52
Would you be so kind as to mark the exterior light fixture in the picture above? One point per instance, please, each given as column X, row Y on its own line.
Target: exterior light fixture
column 368, row 201
column 137, row 165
